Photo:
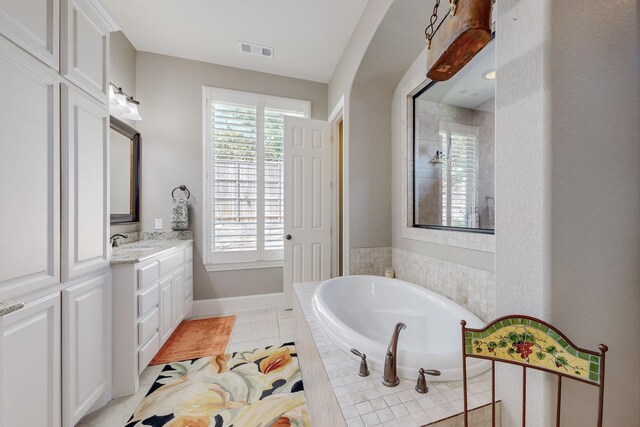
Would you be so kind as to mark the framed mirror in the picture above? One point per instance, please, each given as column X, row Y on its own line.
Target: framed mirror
column 454, row 149
column 124, row 145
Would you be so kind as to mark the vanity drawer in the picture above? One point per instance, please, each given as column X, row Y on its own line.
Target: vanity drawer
column 147, row 326
column 171, row 262
column 147, row 275
column 188, row 253
column 147, row 352
column 147, row 300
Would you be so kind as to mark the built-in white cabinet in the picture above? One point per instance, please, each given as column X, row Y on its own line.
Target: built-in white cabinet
column 30, row 365
column 150, row 299
column 86, row 346
column 85, row 127
column 29, row 172
column 33, row 25
column 55, row 353
column 85, row 47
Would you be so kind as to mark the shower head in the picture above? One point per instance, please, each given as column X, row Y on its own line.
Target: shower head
column 439, row 158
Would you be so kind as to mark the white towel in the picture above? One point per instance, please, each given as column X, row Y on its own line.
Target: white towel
column 180, row 215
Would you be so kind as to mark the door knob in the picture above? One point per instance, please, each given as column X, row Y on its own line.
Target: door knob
column 288, row 237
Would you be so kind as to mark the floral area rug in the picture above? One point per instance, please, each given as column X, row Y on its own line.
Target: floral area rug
column 257, row 388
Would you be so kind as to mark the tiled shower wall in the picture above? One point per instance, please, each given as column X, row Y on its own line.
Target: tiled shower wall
column 470, row 287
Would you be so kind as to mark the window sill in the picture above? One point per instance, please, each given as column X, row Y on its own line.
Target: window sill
column 230, row 266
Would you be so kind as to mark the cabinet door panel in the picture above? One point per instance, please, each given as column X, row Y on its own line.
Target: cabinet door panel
column 85, row 184
column 34, row 26
column 86, row 346
column 85, row 47
column 29, row 173
column 30, row 365
column 166, row 308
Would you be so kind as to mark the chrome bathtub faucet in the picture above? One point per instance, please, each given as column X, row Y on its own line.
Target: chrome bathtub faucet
column 390, row 378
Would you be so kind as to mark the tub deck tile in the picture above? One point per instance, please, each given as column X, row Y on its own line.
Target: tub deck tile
column 391, row 406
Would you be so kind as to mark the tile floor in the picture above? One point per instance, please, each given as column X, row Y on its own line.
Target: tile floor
column 252, row 329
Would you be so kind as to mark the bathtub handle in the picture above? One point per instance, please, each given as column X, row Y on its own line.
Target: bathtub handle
column 364, row 368
column 421, row 385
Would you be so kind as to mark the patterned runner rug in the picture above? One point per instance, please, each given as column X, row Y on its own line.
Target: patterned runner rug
column 257, row 388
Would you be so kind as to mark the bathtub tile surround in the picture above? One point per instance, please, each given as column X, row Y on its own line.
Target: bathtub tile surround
column 380, row 310
column 364, row 401
column 470, row 287
column 372, row 261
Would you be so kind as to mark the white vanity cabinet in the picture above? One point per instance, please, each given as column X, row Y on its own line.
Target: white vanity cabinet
column 30, row 364
column 86, row 347
column 149, row 302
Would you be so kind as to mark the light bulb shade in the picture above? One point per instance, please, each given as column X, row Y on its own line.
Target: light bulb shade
column 132, row 113
column 117, row 102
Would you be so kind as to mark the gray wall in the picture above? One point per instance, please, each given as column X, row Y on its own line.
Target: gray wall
column 170, row 92
column 122, row 65
column 122, row 73
column 567, row 168
column 345, row 71
column 369, row 123
column 594, row 194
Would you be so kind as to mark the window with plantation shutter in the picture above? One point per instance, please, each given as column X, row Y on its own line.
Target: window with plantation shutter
column 235, row 177
column 244, row 146
column 459, row 175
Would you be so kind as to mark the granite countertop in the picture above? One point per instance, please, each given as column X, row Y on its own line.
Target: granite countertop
column 7, row 307
column 141, row 250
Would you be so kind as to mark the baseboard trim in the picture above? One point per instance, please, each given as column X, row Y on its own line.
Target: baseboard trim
column 235, row 304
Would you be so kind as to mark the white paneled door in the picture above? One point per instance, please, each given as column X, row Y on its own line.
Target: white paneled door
column 307, row 202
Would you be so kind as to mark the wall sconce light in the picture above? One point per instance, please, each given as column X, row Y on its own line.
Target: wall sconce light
column 123, row 104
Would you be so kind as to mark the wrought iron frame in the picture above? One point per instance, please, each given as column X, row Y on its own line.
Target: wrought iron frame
column 603, row 349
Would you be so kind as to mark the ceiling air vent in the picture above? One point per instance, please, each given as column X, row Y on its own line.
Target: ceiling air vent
column 254, row 49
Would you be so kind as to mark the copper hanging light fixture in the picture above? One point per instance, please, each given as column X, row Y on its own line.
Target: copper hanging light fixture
column 462, row 33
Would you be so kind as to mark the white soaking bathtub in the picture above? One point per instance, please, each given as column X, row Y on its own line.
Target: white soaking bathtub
column 361, row 311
